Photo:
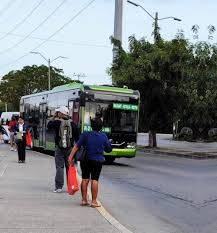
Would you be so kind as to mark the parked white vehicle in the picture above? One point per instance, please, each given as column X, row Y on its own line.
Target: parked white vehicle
column 4, row 133
column 6, row 116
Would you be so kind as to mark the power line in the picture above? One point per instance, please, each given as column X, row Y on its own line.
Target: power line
column 22, row 21
column 67, row 23
column 59, row 41
column 9, row 17
column 52, row 35
column 6, row 7
column 27, row 36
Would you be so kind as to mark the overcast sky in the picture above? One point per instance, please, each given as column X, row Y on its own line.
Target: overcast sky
column 85, row 40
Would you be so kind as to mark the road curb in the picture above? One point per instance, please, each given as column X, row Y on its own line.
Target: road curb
column 187, row 154
column 103, row 212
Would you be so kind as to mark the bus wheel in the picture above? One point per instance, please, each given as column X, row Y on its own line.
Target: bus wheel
column 109, row 160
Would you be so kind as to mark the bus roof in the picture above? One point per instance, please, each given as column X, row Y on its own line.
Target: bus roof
column 83, row 87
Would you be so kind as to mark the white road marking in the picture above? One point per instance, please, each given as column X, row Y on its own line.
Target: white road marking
column 4, row 169
column 113, row 221
column 3, row 158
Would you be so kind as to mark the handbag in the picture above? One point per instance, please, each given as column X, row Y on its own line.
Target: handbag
column 18, row 137
column 29, row 139
column 81, row 155
column 72, row 183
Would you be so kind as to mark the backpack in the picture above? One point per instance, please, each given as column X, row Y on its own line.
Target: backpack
column 65, row 134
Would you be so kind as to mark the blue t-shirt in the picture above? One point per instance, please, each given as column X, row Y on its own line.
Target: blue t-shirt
column 96, row 143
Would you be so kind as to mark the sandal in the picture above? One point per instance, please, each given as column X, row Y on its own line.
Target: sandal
column 95, row 205
column 84, row 203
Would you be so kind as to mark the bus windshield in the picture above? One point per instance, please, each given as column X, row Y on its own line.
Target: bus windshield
column 117, row 117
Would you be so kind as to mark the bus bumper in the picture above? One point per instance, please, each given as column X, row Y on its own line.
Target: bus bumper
column 118, row 153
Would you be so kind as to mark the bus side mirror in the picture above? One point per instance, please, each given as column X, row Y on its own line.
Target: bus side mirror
column 82, row 99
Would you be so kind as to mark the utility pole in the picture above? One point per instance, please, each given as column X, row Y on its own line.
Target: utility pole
column 118, row 20
column 156, row 28
column 79, row 76
column 118, row 23
column 49, row 75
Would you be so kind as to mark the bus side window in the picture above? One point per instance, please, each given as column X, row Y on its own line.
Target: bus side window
column 71, row 107
column 26, row 112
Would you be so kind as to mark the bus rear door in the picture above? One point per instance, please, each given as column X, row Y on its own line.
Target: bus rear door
column 42, row 124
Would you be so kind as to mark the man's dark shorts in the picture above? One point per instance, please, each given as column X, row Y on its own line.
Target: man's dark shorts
column 91, row 169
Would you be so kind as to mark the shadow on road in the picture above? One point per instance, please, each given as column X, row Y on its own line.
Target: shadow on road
column 117, row 164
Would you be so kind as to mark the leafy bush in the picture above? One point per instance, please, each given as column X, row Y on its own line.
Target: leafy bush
column 212, row 133
column 186, row 134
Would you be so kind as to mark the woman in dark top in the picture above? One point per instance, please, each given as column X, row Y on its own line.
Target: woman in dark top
column 20, row 131
column 96, row 143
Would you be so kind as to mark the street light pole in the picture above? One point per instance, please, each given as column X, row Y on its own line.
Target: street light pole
column 49, row 66
column 156, row 19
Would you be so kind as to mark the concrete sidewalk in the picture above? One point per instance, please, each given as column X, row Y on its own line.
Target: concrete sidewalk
column 166, row 145
column 28, row 204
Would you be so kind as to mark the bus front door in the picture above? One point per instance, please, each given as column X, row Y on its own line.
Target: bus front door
column 42, row 125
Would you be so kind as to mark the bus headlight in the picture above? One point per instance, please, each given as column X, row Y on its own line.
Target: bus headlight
column 131, row 145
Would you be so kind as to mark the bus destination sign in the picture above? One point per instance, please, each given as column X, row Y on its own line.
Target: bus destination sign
column 122, row 106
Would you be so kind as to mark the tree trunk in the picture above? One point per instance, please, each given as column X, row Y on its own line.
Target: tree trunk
column 152, row 139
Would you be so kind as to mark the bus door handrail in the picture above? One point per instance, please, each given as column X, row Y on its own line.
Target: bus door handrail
column 121, row 144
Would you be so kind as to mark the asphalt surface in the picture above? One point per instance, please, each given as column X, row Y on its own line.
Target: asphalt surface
column 162, row 194
column 147, row 194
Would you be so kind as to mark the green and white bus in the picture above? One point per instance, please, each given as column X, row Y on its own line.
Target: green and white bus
column 118, row 107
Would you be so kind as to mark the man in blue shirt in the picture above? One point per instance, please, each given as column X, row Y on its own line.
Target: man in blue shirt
column 95, row 143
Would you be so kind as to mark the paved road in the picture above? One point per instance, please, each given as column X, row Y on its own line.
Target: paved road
column 160, row 194
column 147, row 194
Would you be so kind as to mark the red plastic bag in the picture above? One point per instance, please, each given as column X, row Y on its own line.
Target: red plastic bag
column 28, row 139
column 72, row 182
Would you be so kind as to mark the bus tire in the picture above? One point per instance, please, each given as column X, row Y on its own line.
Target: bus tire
column 109, row 160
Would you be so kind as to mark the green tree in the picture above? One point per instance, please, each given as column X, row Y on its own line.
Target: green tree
column 156, row 71
column 29, row 80
column 177, row 81
column 199, row 87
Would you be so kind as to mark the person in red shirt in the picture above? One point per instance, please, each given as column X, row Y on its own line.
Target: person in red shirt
column 12, row 123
